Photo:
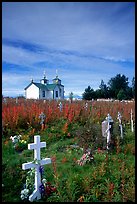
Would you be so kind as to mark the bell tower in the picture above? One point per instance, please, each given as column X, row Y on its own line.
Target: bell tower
column 57, row 80
column 44, row 80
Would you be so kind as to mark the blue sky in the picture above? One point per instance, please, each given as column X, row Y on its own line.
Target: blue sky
column 85, row 41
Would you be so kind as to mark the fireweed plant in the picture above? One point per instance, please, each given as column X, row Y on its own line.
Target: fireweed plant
column 25, row 114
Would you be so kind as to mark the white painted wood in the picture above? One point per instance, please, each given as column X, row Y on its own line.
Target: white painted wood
column 120, row 124
column 132, row 128
column 109, row 119
column 104, row 128
column 37, row 145
column 28, row 165
column 32, row 92
column 60, row 106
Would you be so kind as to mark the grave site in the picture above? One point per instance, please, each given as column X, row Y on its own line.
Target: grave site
column 61, row 151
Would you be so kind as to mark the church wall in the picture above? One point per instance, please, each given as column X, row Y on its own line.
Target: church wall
column 60, row 96
column 32, row 92
column 62, row 92
column 48, row 94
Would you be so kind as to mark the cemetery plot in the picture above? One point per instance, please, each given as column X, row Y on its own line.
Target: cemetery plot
column 80, row 167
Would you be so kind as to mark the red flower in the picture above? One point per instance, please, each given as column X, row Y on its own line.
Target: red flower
column 99, row 150
column 68, row 134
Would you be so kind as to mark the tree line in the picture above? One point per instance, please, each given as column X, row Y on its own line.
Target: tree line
column 116, row 88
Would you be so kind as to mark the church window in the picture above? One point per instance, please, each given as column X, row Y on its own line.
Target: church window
column 56, row 94
column 43, row 94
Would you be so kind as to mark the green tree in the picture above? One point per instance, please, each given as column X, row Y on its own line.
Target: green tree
column 116, row 84
column 121, row 95
column 129, row 93
column 89, row 94
column 98, row 94
column 103, row 90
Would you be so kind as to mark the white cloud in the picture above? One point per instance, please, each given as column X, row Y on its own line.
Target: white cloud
column 92, row 28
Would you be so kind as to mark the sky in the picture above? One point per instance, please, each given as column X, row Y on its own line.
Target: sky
column 86, row 42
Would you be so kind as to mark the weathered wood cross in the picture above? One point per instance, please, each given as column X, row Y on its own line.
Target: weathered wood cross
column 42, row 116
column 37, row 145
column 109, row 120
column 120, row 124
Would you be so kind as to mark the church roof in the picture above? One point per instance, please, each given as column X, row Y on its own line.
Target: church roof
column 57, row 79
column 39, row 85
column 49, row 87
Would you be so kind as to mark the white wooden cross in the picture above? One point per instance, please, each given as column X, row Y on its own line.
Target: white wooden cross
column 120, row 124
column 42, row 117
column 109, row 119
column 86, row 106
column 60, row 106
column 132, row 128
column 17, row 100
column 37, row 145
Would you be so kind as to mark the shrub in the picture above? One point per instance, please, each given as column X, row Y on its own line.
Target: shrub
column 89, row 136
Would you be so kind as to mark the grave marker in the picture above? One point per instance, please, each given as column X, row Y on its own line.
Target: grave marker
column 109, row 120
column 37, row 145
column 60, row 106
column 86, row 106
column 120, row 124
column 42, row 117
column 5, row 101
column 132, row 128
column 104, row 128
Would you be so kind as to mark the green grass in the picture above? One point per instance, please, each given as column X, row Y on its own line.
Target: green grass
column 110, row 177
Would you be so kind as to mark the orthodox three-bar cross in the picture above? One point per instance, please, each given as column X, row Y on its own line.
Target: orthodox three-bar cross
column 37, row 145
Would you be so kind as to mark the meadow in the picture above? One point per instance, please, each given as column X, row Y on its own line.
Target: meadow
column 68, row 132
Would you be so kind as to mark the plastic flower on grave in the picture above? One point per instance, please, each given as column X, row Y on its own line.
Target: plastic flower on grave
column 42, row 188
column 44, row 181
column 99, row 149
column 87, row 157
column 24, row 193
column 14, row 139
column 41, row 169
column 49, row 189
column 68, row 134
column 23, row 141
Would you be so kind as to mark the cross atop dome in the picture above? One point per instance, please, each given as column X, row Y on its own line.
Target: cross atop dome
column 56, row 73
column 44, row 80
column 57, row 80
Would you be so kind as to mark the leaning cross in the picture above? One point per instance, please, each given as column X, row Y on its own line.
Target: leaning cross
column 37, row 145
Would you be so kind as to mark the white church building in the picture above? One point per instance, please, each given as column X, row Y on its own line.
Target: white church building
column 44, row 90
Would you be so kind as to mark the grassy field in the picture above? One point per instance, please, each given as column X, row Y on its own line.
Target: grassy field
column 110, row 177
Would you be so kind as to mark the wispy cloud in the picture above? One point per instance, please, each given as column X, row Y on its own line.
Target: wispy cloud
column 86, row 42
